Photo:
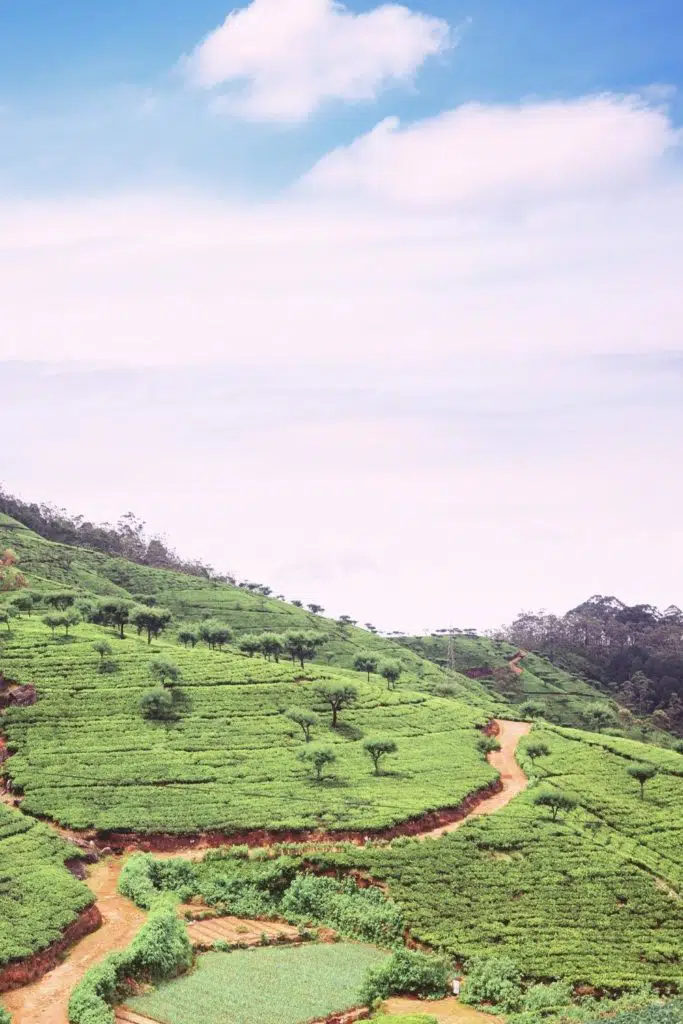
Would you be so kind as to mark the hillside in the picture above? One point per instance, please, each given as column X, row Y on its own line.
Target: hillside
column 561, row 696
column 48, row 566
column 117, row 739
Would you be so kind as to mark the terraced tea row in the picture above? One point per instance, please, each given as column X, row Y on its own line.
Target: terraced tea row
column 85, row 756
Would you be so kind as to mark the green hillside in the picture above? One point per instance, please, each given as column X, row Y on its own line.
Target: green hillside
column 49, row 566
column 593, row 897
column 85, row 756
column 563, row 697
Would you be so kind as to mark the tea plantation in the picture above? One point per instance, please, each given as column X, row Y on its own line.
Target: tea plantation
column 86, row 757
column 38, row 896
column 593, row 897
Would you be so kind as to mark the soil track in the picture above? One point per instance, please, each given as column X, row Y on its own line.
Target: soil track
column 46, row 1001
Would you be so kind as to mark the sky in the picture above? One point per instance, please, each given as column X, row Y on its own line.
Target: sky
column 378, row 304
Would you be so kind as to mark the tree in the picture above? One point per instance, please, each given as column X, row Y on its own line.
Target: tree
column 365, row 662
column 215, row 634
column 337, row 697
column 24, row 602
column 10, row 577
column 272, row 646
column 599, row 717
column 536, row 749
column 302, row 646
column 112, row 611
column 153, row 621
column 391, row 671
column 298, row 604
column 52, row 620
column 61, row 599
column 305, row 719
column 532, row 709
column 164, row 670
column 186, row 636
column 250, row 644
column 555, row 800
column 5, row 619
column 642, row 773
column 318, row 757
column 674, row 712
column 316, row 609
column 70, row 618
column 158, row 704
column 102, row 648
column 370, row 628
column 377, row 749
column 346, row 620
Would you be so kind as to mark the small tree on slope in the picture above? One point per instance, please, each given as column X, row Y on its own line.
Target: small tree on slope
column 305, row 719
column 318, row 757
column 642, row 773
column 365, row 662
column 379, row 748
column 555, row 801
column 337, row 697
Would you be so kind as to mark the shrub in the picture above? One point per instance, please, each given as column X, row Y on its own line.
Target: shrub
column 495, row 981
column 4, row 1016
column 164, row 670
column 487, row 744
column 547, row 997
column 157, row 704
column 160, row 950
column 407, row 971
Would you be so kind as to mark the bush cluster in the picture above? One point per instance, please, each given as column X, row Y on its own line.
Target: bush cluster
column 161, row 950
column 407, row 971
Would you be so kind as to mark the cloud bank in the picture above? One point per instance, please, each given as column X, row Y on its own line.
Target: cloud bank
column 288, row 58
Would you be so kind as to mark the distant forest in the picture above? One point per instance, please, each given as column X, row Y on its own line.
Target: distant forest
column 636, row 651
column 127, row 539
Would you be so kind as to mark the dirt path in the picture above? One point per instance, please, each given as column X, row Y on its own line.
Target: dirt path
column 511, row 775
column 446, row 1011
column 46, row 1000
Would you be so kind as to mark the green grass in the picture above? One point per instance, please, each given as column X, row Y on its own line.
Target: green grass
column 289, row 985
column 86, row 757
column 38, row 896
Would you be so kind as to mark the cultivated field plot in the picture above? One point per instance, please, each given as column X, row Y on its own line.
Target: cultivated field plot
column 287, row 985
column 86, row 757
column 38, row 895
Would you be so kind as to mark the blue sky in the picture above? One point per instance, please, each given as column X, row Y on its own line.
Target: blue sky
column 394, row 291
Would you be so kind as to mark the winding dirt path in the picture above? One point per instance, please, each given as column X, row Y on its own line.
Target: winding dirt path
column 512, row 777
column 46, row 1000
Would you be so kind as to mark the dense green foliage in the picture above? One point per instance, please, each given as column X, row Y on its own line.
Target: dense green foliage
column 279, row 985
column 39, row 897
column 160, row 950
column 265, row 886
column 407, row 972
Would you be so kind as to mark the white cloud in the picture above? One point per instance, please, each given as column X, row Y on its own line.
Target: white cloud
column 290, row 56
column 476, row 153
